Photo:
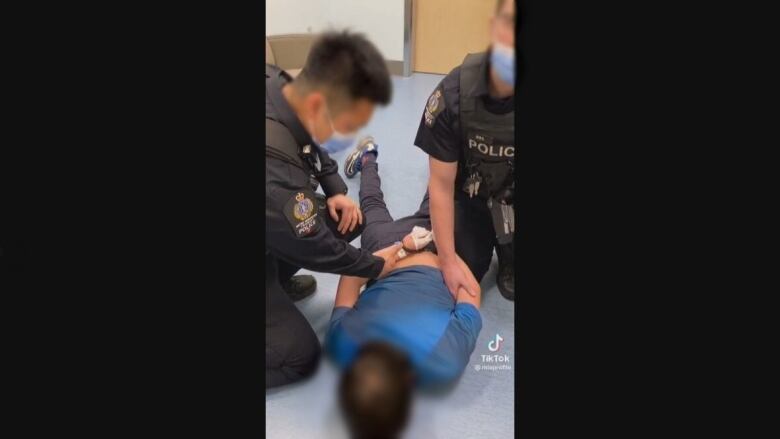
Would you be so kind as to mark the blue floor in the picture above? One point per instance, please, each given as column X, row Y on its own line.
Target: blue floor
column 481, row 404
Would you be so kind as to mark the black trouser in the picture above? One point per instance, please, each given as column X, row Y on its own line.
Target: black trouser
column 475, row 236
column 292, row 349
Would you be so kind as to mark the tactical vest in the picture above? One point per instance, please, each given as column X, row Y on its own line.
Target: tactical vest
column 489, row 138
column 280, row 143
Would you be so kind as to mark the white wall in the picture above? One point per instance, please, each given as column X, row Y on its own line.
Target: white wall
column 382, row 21
column 294, row 16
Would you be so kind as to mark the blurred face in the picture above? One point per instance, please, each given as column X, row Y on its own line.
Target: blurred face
column 326, row 120
column 502, row 47
column 502, row 26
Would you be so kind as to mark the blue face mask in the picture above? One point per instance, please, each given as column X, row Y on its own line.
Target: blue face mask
column 502, row 58
column 338, row 141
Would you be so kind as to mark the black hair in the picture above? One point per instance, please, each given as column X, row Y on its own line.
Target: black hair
column 347, row 63
column 375, row 392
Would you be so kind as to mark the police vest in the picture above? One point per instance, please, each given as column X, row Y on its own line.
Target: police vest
column 280, row 143
column 489, row 138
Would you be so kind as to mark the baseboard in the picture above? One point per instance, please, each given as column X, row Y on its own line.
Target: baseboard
column 395, row 67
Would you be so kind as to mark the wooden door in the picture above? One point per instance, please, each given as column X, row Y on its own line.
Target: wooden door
column 446, row 30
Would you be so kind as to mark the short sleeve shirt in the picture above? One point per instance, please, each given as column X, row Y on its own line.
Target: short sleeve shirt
column 412, row 309
column 439, row 132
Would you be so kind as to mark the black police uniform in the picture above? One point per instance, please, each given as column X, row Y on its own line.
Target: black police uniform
column 463, row 123
column 299, row 233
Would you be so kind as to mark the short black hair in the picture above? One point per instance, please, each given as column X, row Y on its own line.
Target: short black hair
column 375, row 392
column 347, row 63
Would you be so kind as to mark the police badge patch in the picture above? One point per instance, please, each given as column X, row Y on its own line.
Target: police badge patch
column 434, row 106
column 301, row 212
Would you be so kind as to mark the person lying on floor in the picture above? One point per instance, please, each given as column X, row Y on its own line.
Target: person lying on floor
column 404, row 330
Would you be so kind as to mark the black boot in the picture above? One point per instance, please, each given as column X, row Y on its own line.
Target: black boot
column 506, row 271
column 300, row 286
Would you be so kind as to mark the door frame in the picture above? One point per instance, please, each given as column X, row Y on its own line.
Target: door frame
column 408, row 37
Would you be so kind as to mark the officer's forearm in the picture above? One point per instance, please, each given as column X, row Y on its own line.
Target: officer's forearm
column 442, row 219
column 318, row 251
column 335, row 257
column 329, row 178
column 441, row 190
column 332, row 184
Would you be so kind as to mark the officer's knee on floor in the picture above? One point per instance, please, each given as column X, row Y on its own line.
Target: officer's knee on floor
column 306, row 359
column 310, row 360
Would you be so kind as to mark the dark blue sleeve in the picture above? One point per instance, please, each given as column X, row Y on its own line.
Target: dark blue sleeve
column 438, row 134
column 466, row 323
column 328, row 176
column 338, row 344
column 451, row 355
column 338, row 313
column 315, row 247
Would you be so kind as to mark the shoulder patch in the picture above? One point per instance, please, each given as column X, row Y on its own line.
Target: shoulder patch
column 434, row 106
column 301, row 211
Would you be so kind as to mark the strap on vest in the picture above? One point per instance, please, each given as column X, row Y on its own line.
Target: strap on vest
column 280, row 144
column 469, row 76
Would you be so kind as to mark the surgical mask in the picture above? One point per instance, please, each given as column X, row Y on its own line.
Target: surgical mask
column 502, row 58
column 338, row 141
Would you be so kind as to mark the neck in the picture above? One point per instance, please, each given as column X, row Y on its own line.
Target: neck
column 295, row 101
column 498, row 88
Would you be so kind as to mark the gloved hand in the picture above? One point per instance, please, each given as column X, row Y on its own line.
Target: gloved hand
column 418, row 238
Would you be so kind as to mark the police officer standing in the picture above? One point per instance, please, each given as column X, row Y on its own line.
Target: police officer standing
column 306, row 119
column 467, row 129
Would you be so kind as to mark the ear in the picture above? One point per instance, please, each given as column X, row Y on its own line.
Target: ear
column 313, row 102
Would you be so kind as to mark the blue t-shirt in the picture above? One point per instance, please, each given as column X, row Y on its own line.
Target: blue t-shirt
column 413, row 310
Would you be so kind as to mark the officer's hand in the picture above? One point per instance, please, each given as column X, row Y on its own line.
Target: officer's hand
column 351, row 215
column 458, row 276
column 390, row 255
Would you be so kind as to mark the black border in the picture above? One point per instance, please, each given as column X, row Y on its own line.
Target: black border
column 132, row 162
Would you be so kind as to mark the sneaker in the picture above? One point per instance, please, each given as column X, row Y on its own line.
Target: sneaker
column 355, row 159
column 300, row 287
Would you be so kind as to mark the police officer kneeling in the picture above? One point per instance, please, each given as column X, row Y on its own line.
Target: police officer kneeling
column 468, row 129
column 335, row 93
